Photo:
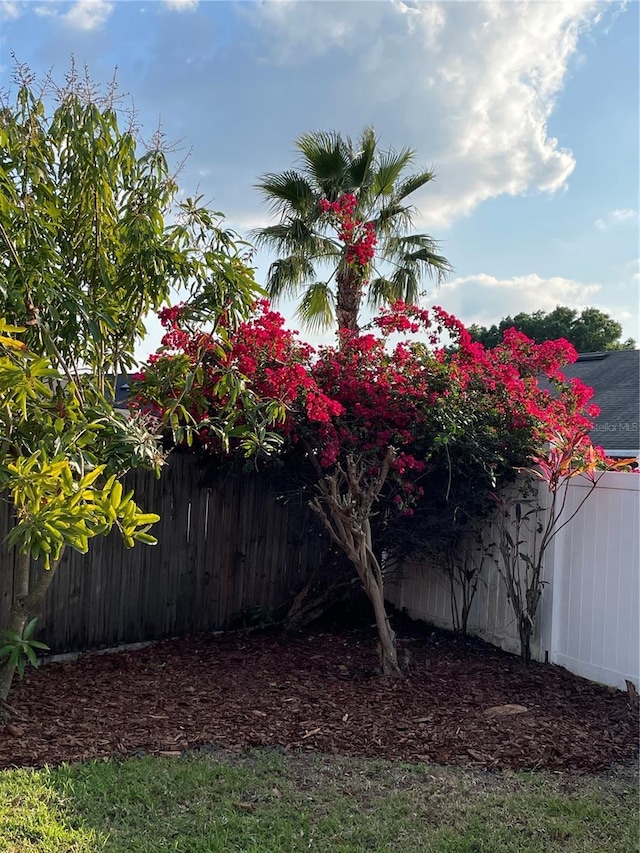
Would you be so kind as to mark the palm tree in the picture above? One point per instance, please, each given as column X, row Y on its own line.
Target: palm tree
column 305, row 239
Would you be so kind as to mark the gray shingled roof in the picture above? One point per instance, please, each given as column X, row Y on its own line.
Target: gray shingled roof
column 615, row 379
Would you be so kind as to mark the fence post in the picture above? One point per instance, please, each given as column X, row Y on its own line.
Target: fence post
column 554, row 575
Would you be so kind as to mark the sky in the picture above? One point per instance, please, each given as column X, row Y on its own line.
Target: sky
column 527, row 111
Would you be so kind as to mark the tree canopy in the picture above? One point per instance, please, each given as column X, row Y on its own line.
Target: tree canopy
column 345, row 229
column 590, row 331
column 92, row 229
column 93, row 235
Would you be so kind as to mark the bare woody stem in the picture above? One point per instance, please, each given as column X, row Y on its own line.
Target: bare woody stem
column 345, row 505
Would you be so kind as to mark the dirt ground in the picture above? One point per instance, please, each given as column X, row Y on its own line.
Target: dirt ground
column 462, row 703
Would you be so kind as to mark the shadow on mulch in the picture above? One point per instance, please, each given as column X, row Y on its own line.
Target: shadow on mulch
column 320, row 692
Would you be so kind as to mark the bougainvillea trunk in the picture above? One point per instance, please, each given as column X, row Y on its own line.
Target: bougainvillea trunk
column 357, row 546
column 348, row 298
column 372, row 581
column 345, row 504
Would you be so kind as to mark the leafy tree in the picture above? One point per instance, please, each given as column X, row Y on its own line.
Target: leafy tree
column 60, row 459
column 345, row 229
column 86, row 246
column 92, row 237
column 590, row 331
column 386, row 435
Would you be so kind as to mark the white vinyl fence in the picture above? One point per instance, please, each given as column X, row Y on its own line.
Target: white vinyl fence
column 589, row 615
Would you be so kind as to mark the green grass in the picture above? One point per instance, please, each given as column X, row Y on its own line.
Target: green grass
column 264, row 802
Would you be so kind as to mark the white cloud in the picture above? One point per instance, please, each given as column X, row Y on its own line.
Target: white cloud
column 297, row 30
column 483, row 79
column 428, row 17
column 245, row 221
column 46, row 11
column 485, row 299
column 10, row 10
column 181, row 5
column 615, row 217
column 88, row 14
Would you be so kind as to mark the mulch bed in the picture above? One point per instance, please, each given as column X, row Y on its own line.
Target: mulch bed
column 320, row 692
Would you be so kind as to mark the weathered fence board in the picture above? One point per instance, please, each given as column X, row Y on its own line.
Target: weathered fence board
column 223, row 549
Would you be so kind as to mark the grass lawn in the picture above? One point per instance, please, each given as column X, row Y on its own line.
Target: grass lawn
column 264, row 802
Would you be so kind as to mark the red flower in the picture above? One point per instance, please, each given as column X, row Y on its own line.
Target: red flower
column 366, row 396
column 359, row 237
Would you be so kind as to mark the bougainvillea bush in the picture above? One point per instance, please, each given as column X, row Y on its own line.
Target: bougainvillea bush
column 398, row 438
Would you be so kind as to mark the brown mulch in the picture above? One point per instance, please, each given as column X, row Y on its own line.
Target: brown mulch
column 320, row 692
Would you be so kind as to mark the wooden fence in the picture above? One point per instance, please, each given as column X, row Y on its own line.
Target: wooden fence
column 231, row 544
column 223, row 549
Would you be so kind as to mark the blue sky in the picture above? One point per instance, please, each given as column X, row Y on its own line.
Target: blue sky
column 527, row 110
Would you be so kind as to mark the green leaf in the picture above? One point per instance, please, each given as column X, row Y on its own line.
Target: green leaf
column 146, row 538
column 147, row 518
column 116, row 494
column 30, row 654
column 36, row 644
column 12, row 637
column 29, row 628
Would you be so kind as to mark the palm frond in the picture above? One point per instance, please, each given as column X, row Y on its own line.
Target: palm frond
column 418, row 251
column 360, row 172
column 286, row 275
column 286, row 236
column 316, row 309
column 294, row 237
column 389, row 167
column 379, row 292
column 325, row 159
column 413, row 183
column 288, row 192
column 403, row 284
column 393, row 218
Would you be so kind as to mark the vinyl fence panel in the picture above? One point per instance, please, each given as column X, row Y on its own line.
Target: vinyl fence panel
column 589, row 614
column 596, row 593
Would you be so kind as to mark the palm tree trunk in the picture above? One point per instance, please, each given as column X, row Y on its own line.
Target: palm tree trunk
column 348, row 298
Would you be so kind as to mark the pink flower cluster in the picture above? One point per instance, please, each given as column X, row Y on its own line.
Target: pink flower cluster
column 359, row 237
column 169, row 316
column 365, row 396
